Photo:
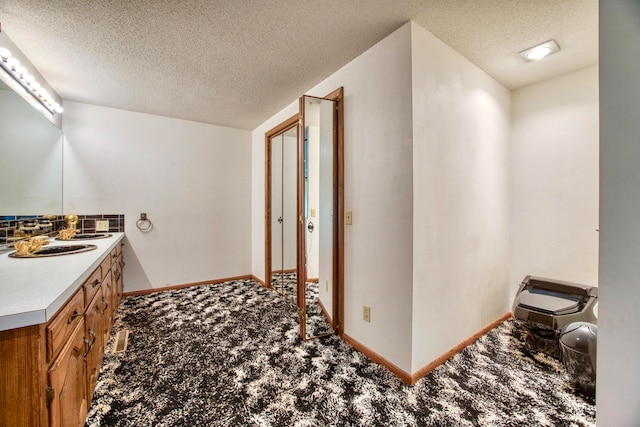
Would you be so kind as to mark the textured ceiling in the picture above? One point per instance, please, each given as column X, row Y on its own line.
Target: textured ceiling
column 237, row 62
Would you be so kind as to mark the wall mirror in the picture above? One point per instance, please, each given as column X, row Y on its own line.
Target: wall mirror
column 281, row 213
column 30, row 158
column 304, row 197
column 321, row 207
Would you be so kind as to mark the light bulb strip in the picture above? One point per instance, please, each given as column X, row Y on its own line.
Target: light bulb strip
column 20, row 74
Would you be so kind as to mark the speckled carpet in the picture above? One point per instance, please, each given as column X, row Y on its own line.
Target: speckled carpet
column 316, row 322
column 230, row 355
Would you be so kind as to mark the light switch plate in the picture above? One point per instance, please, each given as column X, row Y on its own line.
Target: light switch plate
column 102, row 225
column 366, row 313
column 313, row 212
column 347, row 217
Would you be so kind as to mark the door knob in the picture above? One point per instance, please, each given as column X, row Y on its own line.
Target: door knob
column 280, row 220
column 310, row 227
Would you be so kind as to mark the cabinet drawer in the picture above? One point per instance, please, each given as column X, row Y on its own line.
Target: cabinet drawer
column 117, row 265
column 92, row 285
column 118, row 249
column 95, row 326
column 63, row 323
column 114, row 254
column 110, row 301
column 106, row 265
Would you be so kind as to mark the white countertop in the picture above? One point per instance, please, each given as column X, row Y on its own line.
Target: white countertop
column 32, row 290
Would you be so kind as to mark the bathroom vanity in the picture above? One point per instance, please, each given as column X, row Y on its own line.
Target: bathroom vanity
column 56, row 315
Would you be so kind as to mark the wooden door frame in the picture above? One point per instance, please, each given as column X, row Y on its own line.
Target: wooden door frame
column 282, row 127
column 338, row 229
column 337, row 321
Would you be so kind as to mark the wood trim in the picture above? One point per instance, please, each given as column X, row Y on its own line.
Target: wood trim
column 313, row 280
column 338, row 283
column 289, row 123
column 188, row 285
column 325, row 313
column 458, row 348
column 412, row 379
column 300, row 236
column 376, row 358
column 337, row 322
column 259, row 281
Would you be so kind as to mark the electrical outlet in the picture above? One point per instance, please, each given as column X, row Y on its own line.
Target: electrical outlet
column 366, row 313
column 102, row 225
column 347, row 217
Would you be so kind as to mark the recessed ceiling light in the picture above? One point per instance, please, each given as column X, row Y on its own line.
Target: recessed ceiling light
column 539, row 51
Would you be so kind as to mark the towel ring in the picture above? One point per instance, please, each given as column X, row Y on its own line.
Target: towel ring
column 140, row 224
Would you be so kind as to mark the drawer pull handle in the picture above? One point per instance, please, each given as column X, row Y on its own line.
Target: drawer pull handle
column 95, row 283
column 50, row 393
column 73, row 316
column 106, row 304
column 117, row 276
column 114, row 256
column 121, row 263
column 89, row 343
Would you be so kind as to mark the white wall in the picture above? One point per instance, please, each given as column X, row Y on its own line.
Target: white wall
column 618, row 400
column 554, row 179
column 378, row 189
column 378, row 183
column 461, row 122
column 193, row 180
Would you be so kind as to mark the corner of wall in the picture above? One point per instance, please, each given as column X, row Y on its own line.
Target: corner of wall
column 460, row 128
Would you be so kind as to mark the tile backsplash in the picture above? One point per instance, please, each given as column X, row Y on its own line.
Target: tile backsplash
column 86, row 224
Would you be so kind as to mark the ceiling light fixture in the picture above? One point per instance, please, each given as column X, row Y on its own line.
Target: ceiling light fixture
column 539, row 51
column 20, row 74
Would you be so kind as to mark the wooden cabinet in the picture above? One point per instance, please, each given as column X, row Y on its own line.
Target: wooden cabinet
column 48, row 372
column 22, row 383
column 66, row 392
column 95, row 327
column 109, row 301
column 63, row 323
column 116, row 272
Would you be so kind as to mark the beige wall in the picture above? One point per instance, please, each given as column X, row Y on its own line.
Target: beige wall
column 192, row 179
column 554, row 179
column 460, row 198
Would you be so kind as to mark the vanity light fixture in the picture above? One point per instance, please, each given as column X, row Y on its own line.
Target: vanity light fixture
column 20, row 74
column 539, row 51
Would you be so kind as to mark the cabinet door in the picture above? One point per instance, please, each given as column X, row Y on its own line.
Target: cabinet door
column 68, row 383
column 108, row 302
column 116, row 272
column 94, row 332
